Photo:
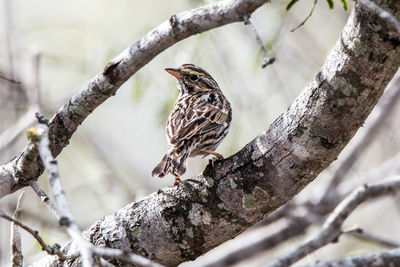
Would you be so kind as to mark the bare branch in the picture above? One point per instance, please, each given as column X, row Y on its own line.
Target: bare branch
column 375, row 239
column 381, row 13
column 46, row 200
column 294, row 226
column 380, row 259
column 331, row 230
column 266, row 59
column 308, row 16
column 66, row 219
column 124, row 255
column 9, row 80
column 17, row 257
column 55, row 250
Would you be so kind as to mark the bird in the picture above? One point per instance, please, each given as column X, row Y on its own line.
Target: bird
column 197, row 123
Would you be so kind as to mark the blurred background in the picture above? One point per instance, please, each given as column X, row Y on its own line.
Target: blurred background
column 51, row 49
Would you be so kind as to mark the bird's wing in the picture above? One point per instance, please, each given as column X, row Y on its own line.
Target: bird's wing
column 196, row 117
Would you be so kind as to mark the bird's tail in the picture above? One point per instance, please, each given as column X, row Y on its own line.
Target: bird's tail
column 174, row 164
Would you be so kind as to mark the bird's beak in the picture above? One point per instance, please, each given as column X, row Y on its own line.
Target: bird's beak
column 174, row 72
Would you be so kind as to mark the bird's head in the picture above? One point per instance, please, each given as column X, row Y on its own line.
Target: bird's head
column 193, row 79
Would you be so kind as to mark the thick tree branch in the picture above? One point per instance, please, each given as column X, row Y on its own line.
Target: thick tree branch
column 381, row 13
column 179, row 223
column 389, row 102
column 26, row 167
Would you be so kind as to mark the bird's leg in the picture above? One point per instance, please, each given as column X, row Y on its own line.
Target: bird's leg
column 177, row 180
column 217, row 155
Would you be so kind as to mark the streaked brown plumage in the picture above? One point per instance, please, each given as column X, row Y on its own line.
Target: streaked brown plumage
column 199, row 120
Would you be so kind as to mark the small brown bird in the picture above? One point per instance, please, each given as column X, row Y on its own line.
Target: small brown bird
column 199, row 120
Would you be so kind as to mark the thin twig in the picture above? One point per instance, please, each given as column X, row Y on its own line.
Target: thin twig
column 55, row 250
column 383, row 258
column 331, row 230
column 124, row 255
column 381, row 13
column 46, row 200
column 294, row 226
column 266, row 60
column 385, row 169
column 9, row 80
column 17, row 257
column 375, row 239
column 308, row 16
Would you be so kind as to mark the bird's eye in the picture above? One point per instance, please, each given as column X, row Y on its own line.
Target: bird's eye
column 193, row 77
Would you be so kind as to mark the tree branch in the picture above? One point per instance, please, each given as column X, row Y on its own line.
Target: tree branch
column 50, row 250
column 331, row 230
column 179, row 223
column 389, row 102
column 376, row 239
column 17, row 257
column 293, row 227
column 46, row 200
column 66, row 219
column 266, row 59
column 380, row 259
column 381, row 13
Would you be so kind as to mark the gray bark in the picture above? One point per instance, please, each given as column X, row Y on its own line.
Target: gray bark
column 180, row 223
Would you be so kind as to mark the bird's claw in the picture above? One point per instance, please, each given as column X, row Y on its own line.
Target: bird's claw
column 177, row 180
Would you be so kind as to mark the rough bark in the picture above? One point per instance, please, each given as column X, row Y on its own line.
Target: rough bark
column 27, row 167
column 180, row 223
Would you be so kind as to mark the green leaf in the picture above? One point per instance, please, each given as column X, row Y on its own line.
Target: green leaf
column 344, row 4
column 330, row 3
column 291, row 3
